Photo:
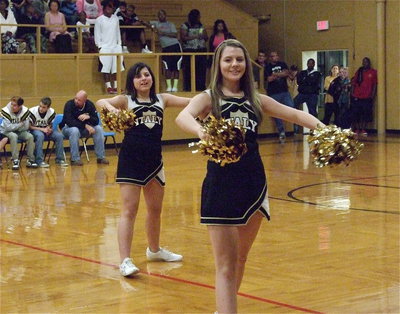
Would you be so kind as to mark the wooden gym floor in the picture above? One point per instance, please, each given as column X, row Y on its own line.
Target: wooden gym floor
column 332, row 245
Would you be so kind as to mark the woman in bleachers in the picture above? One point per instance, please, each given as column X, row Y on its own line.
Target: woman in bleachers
column 57, row 26
column 92, row 8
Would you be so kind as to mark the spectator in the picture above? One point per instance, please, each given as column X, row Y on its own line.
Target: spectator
column 292, row 81
column 167, row 35
column 340, row 90
column 92, row 8
column 56, row 25
column 134, row 34
column 220, row 33
column 28, row 34
column 70, row 11
column 309, row 81
column 261, row 61
column 81, row 120
column 88, row 38
column 277, row 73
column 194, row 37
column 331, row 107
column 8, row 41
column 362, row 97
column 41, row 7
column 15, row 126
column 107, row 37
column 41, row 119
column 17, row 8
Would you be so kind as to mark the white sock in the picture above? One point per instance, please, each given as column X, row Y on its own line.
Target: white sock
column 115, row 84
column 108, row 84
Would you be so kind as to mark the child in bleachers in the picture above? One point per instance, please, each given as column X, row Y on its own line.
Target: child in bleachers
column 87, row 36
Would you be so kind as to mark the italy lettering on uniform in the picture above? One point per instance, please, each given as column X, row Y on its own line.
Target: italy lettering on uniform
column 242, row 118
column 149, row 118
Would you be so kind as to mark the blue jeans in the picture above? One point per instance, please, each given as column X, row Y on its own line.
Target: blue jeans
column 310, row 99
column 74, row 134
column 286, row 99
column 40, row 137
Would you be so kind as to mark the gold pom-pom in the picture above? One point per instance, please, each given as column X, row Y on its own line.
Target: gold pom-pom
column 225, row 142
column 118, row 122
column 331, row 146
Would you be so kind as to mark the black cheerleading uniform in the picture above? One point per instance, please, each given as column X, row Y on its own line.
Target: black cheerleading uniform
column 233, row 193
column 140, row 159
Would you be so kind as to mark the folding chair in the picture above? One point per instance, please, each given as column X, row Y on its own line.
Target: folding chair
column 106, row 136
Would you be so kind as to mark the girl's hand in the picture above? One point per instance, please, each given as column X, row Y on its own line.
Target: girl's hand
column 202, row 134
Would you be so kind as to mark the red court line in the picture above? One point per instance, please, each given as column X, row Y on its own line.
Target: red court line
column 193, row 283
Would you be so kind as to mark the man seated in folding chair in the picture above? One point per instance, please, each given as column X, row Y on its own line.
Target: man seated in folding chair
column 81, row 120
column 41, row 127
column 15, row 126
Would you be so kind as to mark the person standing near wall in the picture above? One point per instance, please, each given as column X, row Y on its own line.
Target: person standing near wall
column 309, row 81
column 362, row 96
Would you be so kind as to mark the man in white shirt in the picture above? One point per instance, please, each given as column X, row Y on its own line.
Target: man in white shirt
column 107, row 37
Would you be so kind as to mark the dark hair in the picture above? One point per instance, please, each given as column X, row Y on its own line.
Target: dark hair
column 108, row 3
column 122, row 4
column 46, row 101
column 294, row 68
column 219, row 21
column 18, row 99
column 132, row 73
column 55, row 1
column 6, row 2
column 194, row 17
column 361, row 70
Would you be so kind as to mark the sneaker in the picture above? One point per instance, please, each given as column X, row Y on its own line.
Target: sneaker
column 125, row 49
column 62, row 163
column 146, row 50
column 169, row 89
column 282, row 137
column 31, row 164
column 76, row 163
column 174, row 89
column 127, row 267
column 364, row 133
column 102, row 161
column 15, row 164
column 163, row 255
column 43, row 165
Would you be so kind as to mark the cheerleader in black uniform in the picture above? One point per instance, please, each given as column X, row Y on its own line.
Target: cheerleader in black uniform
column 140, row 162
column 234, row 197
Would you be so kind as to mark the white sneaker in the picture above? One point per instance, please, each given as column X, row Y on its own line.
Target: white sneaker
column 146, row 50
column 62, row 163
column 125, row 49
column 169, row 89
column 127, row 267
column 163, row 255
column 15, row 164
column 174, row 89
column 44, row 165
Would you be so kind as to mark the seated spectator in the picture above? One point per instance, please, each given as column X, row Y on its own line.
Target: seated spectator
column 92, row 8
column 8, row 42
column 40, row 6
column 70, row 11
column 15, row 126
column 167, row 35
column 87, row 36
column 261, row 61
column 28, row 34
column 134, row 34
column 41, row 119
column 81, row 120
column 56, row 25
column 3, row 142
column 17, row 8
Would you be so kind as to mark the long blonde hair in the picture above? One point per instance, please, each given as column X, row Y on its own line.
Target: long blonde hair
column 246, row 81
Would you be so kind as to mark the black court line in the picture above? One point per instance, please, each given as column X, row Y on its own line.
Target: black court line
column 291, row 192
